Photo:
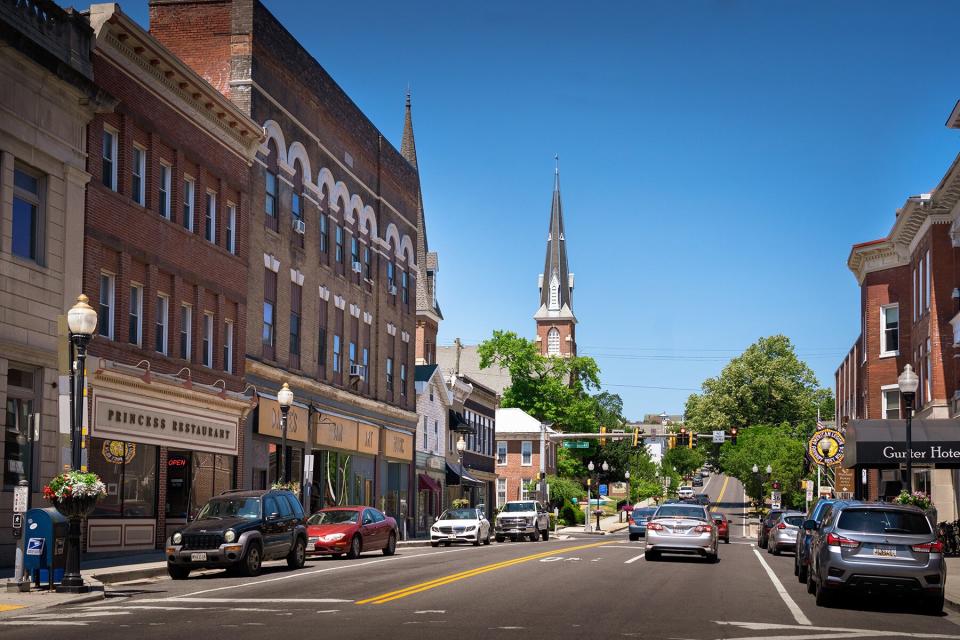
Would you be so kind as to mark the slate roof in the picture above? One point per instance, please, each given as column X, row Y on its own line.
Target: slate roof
column 555, row 264
column 422, row 372
column 495, row 378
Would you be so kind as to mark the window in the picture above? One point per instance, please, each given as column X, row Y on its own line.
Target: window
column 501, row 452
column 403, row 379
column 208, row 340
column 891, row 402
column 916, row 294
column 269, row 312
column 136, row 314
column 524, row 488
column 210, row 218
column 28, row 227
column 188, row 203
column 889, row 330
column 352, row 353
column 138, row 171
column 501, row 491
column 324, row 237
column 109, row 154
column 390, row 374
column 929, row 378
column 270, row 204
column 425, row 433
column 554, row 292
column 165, row 172
column 322, row 348
column 354, row 249
column 927, row 288
column 296, row 297
column 366, row 263
column 366, row 362
column 553, row 342
column 296, row 206
column 129, row 470
column 339, row 241
column 336, row 353
column 105, row 315
column 22, row 383
column 526, row 453
column 186, row 331
column 228, row 346
column 162, row 324
column 390, row 281
column 404, row 288
column 232, row 228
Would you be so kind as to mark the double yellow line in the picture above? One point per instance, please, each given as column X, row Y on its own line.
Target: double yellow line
column 439, row 582
column 726, row 479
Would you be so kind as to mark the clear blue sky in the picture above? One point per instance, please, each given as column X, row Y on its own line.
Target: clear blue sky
column 718, row 159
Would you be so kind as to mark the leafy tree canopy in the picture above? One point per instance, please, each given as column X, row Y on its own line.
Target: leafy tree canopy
column 683, row 460
column 763, row 445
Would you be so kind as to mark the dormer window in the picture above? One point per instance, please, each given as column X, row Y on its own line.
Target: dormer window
column 554, row 292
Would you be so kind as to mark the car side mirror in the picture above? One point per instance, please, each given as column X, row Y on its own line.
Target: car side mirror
column 811, row 525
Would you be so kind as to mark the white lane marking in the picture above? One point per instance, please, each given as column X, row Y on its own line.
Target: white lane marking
column 329, row 611
column 596, row 560
column 86, row 614
column 632, row 560
column 743, row 509
column 55, row 623
column 254, row 600
column 832, row 632
column 551, row 559
column 430, row 611
column 301, row 574
column 798, row 614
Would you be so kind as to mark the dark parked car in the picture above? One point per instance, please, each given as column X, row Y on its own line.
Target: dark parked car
column 763, row 533
column 638, row 522
column 238, row 531
column 801, row 557
column 876, row 547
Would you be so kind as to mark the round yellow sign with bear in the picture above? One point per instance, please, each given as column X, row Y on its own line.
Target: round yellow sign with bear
column 826, row 447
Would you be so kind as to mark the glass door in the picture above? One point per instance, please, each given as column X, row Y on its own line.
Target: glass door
column 178, row 485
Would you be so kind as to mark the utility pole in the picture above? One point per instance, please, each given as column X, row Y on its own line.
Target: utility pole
column 459, row 346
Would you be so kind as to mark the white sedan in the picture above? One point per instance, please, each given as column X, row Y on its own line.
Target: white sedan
column 460, row 525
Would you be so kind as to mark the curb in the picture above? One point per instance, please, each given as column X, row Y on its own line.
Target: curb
column 950, row 604
column 112, row 575
column 413, row 543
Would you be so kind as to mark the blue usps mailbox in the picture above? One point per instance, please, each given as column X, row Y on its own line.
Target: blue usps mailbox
column 45, row 544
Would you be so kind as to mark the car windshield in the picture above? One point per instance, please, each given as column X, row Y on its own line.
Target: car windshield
column 459, row 514
column 230, row 508
column 680, row 511
column 512, row 507
column 643, row 513
column 795, row 521
column 334, row 516
column 880, row 521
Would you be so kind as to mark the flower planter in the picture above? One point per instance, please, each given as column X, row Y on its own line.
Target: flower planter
column 76, row 507
column 74, row 493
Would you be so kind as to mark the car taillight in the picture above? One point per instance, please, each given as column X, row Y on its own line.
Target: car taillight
column 834, row 540
column 703, row 528
column 929, row 547
column 781, row 526
column 629, row 519
column 654, row 526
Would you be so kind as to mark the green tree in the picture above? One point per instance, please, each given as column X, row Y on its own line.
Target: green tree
column 683, row 460
column 763, row 445
column 766, row 384
column 564, row 490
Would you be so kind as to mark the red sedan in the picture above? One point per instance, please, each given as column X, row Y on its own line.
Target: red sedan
column 723, row 527
column 350, row 531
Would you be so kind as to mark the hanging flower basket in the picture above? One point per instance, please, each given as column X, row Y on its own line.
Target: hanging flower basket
column 294, row 487
column 75, row 493
column 917, row 499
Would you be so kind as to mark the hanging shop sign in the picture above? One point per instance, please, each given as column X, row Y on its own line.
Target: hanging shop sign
column 397, row 445
column 335, row 432
column 368, row 439
column 131, row 417
column 268, row 421
column 826, row 447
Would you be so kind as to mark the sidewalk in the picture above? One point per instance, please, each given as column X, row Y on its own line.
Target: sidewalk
column 952, row 587
column 609, row 524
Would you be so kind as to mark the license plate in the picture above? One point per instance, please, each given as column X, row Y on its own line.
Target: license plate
column 452, row 535
column 198, row 557
column 885, row 552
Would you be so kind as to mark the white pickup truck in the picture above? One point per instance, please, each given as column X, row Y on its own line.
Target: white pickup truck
column 520, row 519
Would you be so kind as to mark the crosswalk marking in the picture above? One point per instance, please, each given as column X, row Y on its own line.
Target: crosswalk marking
column 634, row 559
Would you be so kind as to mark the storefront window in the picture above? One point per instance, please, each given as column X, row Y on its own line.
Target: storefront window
column 17, row 457
column 342, row 479
column 129, row 470
column 395, row 495
column 293, row 461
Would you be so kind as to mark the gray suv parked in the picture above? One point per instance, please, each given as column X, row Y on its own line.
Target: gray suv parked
column 876, row 547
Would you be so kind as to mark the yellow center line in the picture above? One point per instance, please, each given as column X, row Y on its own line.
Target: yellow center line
column 11, row 607
column 439, row 582
column 719, row 499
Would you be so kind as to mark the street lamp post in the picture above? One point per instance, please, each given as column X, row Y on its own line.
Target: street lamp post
column 461, row 447
column 605, row 468
column 82, row 323
column 626, row 475
column 586, row 513
column 285, row 399
column 908, row 383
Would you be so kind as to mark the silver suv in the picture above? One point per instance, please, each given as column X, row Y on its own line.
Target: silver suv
column 876, row 547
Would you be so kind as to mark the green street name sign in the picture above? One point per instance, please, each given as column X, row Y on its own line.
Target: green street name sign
column 575, row 444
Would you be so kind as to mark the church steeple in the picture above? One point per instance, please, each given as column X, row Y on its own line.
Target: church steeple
column 428, row 309
column 555, row 318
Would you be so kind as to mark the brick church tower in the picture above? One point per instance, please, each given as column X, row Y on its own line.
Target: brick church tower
column 428, row 310
column 556, row 324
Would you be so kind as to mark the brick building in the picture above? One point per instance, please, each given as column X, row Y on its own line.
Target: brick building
column 333, row 273
column 908, row 315
column 476, row 478
column 518, row 453
column 47, row 100
column 165, row 266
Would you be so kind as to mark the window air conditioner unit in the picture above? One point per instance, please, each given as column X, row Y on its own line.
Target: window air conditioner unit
column 299, row 226
column 392, row 289
column 356, row 371
column 357, row 267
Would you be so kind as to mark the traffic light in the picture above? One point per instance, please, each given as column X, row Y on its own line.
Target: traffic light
column 683, row 436
column 692, row 439
column 672, row 441
column 603, row 440
column 636, row 437
column 733, row 435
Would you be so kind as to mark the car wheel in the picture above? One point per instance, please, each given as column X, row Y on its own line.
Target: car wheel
column 487, row 539
column 298, row 555
column 801, row 572
column 391, row 547
column 796, row 566
column 776, row 550
column 534, row 536
column 824, row 596
column 811, row 585
column 499, row 538
column 650, row 556
column 713, row 558
column 177, row 572
column 634, row 537
column 354, row 548
column 933, row 604
column 726, row 540
column 252, row 561
column 545, row 534
column 434, row 544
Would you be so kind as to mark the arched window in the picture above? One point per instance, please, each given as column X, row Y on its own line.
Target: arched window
column 554, row 292
column 553, row 342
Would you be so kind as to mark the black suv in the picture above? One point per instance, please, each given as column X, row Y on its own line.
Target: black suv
column 238, row 531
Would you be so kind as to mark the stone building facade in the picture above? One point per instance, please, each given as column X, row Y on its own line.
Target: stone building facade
column 333, row 273
column 47, row 100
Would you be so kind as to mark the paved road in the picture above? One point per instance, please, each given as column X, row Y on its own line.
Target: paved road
column 579, row 587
